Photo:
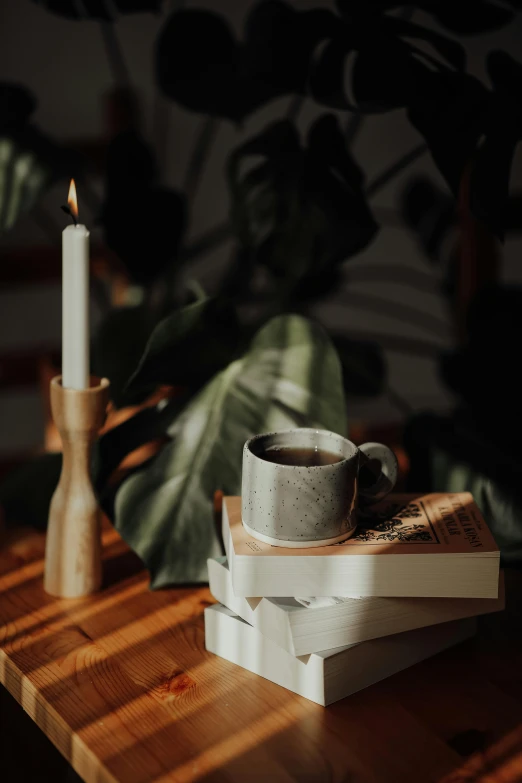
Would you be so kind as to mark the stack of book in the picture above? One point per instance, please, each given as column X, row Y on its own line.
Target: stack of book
column 327, row 621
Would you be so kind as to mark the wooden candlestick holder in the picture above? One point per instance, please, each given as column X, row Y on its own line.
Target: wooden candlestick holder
column 73, row 548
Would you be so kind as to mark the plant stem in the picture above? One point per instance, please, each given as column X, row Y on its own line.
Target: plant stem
column 388, row 217
column 391, row 171
column 160, row 129
column 208, row 241
column 353, row 126
column 294, row 107
column 114, row 54
column 206, row 136
column 355, row 120
column 195, row 288
column 161, row 109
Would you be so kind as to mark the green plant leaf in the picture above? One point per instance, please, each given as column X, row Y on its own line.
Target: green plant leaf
column 290, row 376
column 466, row 17
column 23, row 179
column 370, row 61
column 118, row 346
column 29, row 161
column 300, row 209
column 201, row 65
column 188, row 347
column 148, row 424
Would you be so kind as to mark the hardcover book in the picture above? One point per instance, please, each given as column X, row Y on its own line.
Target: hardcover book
column 433, row 545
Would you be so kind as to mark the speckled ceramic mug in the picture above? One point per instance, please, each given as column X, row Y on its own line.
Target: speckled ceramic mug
column 296, row 506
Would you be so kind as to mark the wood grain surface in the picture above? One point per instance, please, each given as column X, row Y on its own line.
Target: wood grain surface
column 121, row 683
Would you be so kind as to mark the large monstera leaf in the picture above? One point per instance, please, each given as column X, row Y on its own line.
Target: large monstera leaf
column 101, row 10
column 201, row 65
column 189, row 346
column 29, row 160
column 372, row 62
column 299, row 209
column 291, row 376
column 465, row 17
column 118, row 344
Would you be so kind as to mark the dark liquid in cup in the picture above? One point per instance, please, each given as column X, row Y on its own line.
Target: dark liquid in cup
column 303, row 457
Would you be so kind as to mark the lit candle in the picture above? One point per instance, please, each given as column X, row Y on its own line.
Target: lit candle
column 75, row 300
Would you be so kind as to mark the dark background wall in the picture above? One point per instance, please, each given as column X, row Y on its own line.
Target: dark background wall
column 65, row 64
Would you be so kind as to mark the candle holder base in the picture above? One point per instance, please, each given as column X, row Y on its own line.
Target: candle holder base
column 73, row 548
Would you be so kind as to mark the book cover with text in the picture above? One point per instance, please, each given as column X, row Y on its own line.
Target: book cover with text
column 421, row 524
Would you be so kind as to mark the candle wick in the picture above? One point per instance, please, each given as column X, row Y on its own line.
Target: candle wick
column 66, row 208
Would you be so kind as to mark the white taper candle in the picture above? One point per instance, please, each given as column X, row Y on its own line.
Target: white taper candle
column 75, row 305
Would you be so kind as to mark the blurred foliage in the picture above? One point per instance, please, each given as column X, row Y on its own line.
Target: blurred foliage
column 189, row 346
column 467, row 125
column 144, row 223
column 29, row 160
column 477, row 447
column 200, row 64
column 363, row 59
column 454, row 454
column 118, row 347
column 484, row 372
column 467, row 17
column 299, row 211
column 290, row 375
column 372, row 62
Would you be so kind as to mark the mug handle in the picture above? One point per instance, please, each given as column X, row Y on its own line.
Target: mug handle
column 378, row 469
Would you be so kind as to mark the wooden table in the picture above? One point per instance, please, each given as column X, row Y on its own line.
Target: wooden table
column 122, row 685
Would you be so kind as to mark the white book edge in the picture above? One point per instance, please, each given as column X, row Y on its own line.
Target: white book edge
column 465, row 576
column 301, row 630
column 333, row 674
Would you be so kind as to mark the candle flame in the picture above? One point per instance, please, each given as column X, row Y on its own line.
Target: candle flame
column 72, row 200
